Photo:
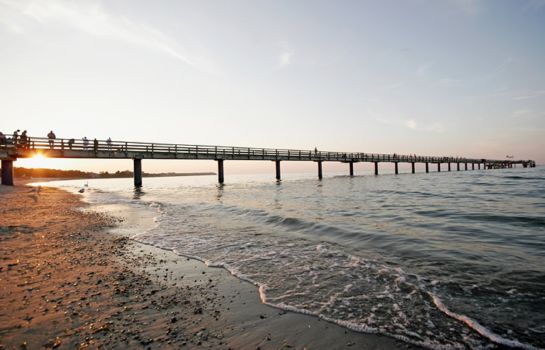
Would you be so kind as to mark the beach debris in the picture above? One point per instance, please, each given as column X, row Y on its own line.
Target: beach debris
column 81, row 190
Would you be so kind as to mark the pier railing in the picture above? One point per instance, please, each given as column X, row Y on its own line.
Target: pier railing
column 129, row 149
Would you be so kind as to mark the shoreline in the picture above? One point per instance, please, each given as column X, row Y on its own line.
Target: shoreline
column 70, row 281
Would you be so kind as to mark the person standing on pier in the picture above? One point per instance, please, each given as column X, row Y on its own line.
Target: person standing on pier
column 51, row 136
column 24, row 139
column 95, row 145
column 85, row 143
column 109, row 143
column 15, row 137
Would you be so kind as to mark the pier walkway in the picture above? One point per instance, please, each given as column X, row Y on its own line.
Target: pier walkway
column 11, row 150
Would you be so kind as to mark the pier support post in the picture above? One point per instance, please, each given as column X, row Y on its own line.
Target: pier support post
column 277, row 163
column 376, row 168
column 466, row 166
column 457, row 166
column 319, row 169
column 479, row 166
column 472, row 166
column 137, row 173
column 7, row 172
column 427, row 167
column 484, row 166
column 438, row 167
column 448, row 166
column 396, row 168
column 412, row 167
column 351, row 167
column 220, row 171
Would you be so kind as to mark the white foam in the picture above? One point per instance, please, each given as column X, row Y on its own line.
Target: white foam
column 471, row 323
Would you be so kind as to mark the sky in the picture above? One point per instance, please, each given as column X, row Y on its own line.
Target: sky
column 449, row 77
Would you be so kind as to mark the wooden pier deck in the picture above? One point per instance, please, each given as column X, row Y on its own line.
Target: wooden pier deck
column 105, row 149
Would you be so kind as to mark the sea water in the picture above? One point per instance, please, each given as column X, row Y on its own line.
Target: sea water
column 442, row 260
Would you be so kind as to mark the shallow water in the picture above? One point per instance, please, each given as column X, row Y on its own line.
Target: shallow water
column 442, row 260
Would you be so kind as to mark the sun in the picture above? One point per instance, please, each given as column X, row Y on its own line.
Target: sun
column 37, row 161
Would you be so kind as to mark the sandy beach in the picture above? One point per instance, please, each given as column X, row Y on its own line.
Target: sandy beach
column 68, row 282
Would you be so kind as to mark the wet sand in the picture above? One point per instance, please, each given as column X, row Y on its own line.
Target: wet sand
column 67, row 281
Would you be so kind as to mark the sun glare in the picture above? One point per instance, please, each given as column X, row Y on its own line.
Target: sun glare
column 37, row 161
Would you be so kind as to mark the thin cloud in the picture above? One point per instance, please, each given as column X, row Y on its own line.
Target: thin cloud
column 90, row 17
column 530, row 95
column 285, row 58
column 286, row 54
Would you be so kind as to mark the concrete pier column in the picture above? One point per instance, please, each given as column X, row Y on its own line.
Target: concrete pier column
column 7, row 172
column 137, row 173
column 466, row 166
column 427, row 167
column 277, row 163
column 448, row 166
column 351, row 167
column 376, row 168
column 220, row 171
column 320, row 175
column 412, row 168
column 396, row 168
column 438, row 167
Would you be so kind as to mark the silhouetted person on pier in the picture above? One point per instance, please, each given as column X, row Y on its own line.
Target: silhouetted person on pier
column 51, row 136
column 85, row 143
column 109, row 143
column 15, row 137
column 315, row 150
column 24, row 139
column 95, row 145
column 70, row 143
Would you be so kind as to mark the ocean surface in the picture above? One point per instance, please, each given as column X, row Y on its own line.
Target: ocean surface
column 441, row 260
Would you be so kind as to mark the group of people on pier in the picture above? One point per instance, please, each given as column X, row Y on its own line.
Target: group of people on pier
column 23, row 141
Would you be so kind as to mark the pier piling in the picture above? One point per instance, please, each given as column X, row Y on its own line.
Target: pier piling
column 351, row 168
column 457, row 166
column 137, row 172
column 466, row 166
column 396, row 168
column 220, row 171
column 438, row 167
column 7, row 172
column 427, row 167
column 319, row 169
column 277, row 163
column 376, row 168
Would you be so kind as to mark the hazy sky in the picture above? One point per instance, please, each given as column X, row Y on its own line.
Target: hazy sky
column 451, row 77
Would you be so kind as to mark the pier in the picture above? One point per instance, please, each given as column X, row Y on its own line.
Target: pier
column 10, row 151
